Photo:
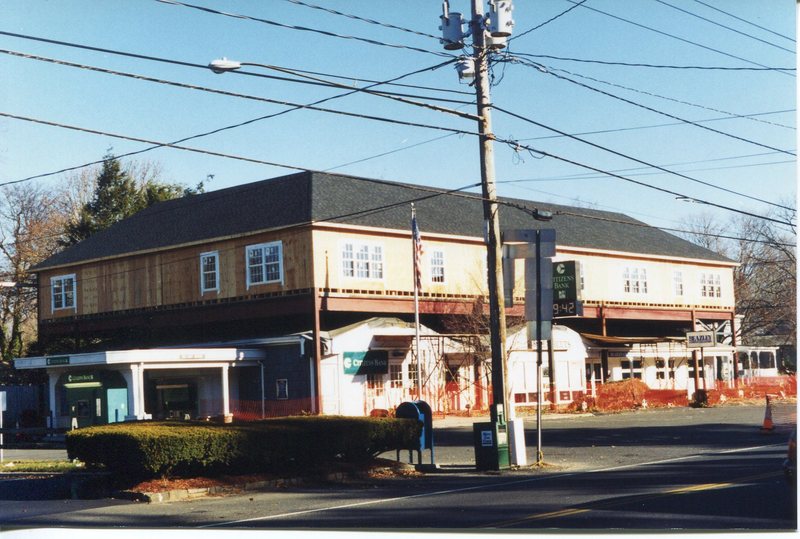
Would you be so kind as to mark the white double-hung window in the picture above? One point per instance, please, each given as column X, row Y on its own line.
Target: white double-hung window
column 710, row 285
column 634, row 280
column 362, row 260
column 264, row 263
column 437, row 266
column 62, row 292
column 677, row 282
column 209, row 272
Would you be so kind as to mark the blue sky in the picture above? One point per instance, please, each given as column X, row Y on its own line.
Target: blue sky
column 754, row 109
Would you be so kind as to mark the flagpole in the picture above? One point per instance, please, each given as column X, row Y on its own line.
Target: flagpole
column 415, row 239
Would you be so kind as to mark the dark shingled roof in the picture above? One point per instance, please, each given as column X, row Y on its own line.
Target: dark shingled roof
column 314, row 196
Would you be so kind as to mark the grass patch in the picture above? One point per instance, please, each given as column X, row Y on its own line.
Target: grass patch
column 40, row 466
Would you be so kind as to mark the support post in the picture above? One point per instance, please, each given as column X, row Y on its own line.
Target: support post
column 497, row 318
column 551, row 367
column 226, row 396
column 539, row 453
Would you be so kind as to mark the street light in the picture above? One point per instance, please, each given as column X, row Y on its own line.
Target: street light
column 223, row 65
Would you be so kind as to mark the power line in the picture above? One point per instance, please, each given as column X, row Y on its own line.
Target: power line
column 671, row 124
column 315, row 80
column 640, row 161
column 301, row 28
column 548, row 21
column 369, row 92
column 744, row 20
column 666, row 98
column 715, row 23
column 133, row 139
column 508, row 142
column 706, row 234
column 383, row 154
column 363, row 19
column 318, row 82
column 575, row 177
column 204, row 67
column 159, row 144
column 667, row 34
column 543, row 69
column 415, row 86
column 637, row 182
column 174, row 143
column 654, row 66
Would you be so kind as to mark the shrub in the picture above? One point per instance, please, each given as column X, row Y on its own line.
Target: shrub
column 152, row 449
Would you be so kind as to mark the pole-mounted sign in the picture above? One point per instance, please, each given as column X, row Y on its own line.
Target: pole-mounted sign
column 701, row 339
column 538, row 249
column 566, row 289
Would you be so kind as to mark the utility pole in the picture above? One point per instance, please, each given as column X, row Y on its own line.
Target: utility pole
column 494, row 255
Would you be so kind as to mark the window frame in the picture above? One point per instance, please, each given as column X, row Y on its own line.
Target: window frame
column 282, row 389
column 632, row 368
column 710, row 285
column 61, row 279
column 396, row 380
column 264, row 247
column 678, row 289
column 376, row 383
column 204, row 256
column 363, row 260
column 437, row 263
column 634, row 280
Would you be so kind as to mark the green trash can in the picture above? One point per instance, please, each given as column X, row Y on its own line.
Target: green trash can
column 491, row 445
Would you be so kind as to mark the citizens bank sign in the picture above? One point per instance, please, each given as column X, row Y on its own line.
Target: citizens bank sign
column 370, row 362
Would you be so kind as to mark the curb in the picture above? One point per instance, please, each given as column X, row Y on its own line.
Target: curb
column 194, row 493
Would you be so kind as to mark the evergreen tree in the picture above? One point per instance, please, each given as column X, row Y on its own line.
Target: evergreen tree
column 117, row 195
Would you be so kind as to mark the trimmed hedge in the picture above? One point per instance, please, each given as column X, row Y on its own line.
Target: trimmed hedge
column 151, row 449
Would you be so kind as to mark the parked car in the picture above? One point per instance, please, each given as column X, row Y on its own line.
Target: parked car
column 790, row 464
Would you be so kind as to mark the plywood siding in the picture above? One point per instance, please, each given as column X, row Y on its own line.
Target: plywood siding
column 172, row 277
column 464, row 263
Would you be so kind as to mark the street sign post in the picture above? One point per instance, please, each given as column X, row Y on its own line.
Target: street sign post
column 537, row 247
column 701, row 340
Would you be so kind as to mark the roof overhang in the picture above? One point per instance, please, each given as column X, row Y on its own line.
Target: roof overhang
column 153, row 356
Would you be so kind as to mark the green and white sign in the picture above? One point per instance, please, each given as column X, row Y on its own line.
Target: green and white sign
column 567, row 289
column 370, row 362
column 61, row 360
column 566, row 281
column 73, row 378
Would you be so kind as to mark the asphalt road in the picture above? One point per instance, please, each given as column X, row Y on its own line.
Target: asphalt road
column 679, row 469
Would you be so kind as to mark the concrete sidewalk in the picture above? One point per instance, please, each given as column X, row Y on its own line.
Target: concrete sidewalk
column 10, row 455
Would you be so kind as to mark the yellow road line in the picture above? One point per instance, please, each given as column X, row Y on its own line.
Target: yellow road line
column 557, row 514
column 629, row 499
column 697, row 488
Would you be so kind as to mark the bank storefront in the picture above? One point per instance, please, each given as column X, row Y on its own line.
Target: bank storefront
column 112, row 386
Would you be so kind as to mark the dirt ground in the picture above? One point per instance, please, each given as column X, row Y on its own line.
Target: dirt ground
column 377, row 469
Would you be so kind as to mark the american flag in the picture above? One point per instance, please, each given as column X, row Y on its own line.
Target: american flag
column 417, row 239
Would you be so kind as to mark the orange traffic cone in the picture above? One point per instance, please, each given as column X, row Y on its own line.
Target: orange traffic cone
column 768, row 426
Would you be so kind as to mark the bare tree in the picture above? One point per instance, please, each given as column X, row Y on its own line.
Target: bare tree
column 30, row 226
column 765, row 282
column 766, row 279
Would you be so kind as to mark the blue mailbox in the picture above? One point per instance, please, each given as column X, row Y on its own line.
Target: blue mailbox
column 421, row 411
